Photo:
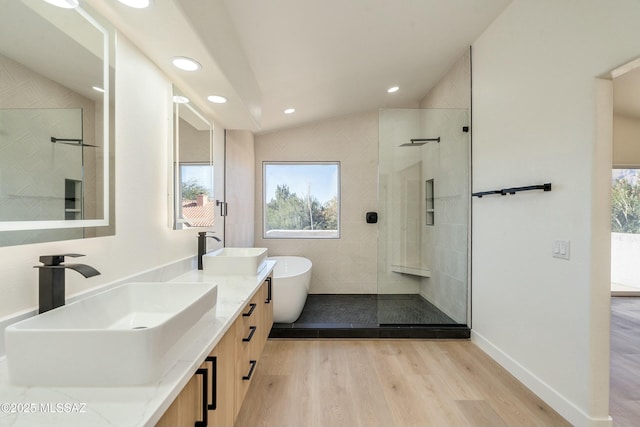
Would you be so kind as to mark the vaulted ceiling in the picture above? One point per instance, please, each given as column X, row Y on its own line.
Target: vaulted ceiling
column 325, row 58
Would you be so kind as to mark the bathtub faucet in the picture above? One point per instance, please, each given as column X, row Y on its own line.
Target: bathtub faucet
column 202, row 245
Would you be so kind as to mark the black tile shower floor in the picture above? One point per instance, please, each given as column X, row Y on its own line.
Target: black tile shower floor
column 370, row 316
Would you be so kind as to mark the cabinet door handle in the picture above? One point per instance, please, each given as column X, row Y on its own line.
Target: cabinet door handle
column 250, row 312
column 268, row 301
column 250, row 374
column 252, row 331
column 205, row 398
column 214, row 383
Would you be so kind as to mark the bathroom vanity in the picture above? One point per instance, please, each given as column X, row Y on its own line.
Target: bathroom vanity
column 218, row 359
column 215, row 393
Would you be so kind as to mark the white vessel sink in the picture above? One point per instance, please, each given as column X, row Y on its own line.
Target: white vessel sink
column 235, row 261
column 127, row 335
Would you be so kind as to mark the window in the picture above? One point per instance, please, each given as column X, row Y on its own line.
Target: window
column 301, row 200
column 196, row 204
column 625, row 201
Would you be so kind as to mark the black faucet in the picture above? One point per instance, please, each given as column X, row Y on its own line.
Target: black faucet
column 202, row 245
column 51, row 284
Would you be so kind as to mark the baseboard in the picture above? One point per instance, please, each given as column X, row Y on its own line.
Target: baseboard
column 625, row 293
column 551, row 397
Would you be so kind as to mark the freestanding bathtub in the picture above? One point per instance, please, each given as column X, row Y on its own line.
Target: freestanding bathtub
column 291, row 279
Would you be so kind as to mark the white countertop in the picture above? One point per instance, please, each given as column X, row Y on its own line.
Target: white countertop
column 138, row 405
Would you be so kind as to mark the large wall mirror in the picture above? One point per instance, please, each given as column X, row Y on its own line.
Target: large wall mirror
column 56, row 98
column 193, row 201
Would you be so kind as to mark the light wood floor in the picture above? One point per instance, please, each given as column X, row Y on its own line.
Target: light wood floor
column 387, row 383
column 625, row 361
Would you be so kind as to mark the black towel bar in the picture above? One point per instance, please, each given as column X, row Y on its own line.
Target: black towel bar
column 513, row 190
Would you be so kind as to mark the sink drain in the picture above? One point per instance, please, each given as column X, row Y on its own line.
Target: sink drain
column 139, row 327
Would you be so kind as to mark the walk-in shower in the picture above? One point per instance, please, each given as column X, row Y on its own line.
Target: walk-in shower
column 423, row 218
column 423, row 201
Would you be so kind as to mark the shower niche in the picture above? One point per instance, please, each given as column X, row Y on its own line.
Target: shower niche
column 424, row 198
column 430, row 210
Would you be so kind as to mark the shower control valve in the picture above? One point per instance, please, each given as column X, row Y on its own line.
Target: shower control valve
column 372, row 217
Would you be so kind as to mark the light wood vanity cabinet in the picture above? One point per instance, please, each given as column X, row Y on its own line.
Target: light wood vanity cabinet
column 186, row 408
column 224, row 377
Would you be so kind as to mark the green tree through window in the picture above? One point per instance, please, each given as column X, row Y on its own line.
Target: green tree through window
column 625, row 201
column 311, row 211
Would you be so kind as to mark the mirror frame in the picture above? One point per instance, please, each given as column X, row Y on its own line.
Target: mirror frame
column 79, row 223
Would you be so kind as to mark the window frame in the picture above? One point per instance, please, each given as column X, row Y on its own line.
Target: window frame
column 293, row 235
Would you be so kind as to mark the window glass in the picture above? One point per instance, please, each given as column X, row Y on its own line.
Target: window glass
column 301, row 200
column 196, row 195
column 625, row 201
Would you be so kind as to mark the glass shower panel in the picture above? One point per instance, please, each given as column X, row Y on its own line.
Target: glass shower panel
column 424, row 204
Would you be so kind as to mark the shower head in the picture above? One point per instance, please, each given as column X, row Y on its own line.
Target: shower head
column 69, row 141
column 416, row 142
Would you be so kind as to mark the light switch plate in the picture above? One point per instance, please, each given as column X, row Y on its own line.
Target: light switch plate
column 561, row 249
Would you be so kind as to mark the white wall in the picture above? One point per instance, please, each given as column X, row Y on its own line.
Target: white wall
column 541, row 115
column 626, row 141
column 454, row 89
column 143, row 239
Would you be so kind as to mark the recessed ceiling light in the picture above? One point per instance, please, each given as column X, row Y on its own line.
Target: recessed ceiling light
column 186, row 64
column 99, row 89
column 179, row 99
column 217, row 99
column 393, row 89
column 138, row 4
column 290, row 111
column 66, row 4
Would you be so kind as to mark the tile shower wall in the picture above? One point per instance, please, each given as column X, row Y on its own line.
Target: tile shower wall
column 448, row 287
column 400, row 188
column 445, row 244
column 406, row 241
column 347, row 264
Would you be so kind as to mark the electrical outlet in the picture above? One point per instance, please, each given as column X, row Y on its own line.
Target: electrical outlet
column 561, row 249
